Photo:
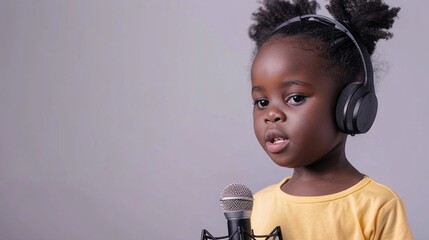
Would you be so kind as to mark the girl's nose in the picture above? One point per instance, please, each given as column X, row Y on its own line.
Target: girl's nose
column 274, row 115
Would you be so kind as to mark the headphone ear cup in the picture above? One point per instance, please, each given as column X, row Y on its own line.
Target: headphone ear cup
column 356, row 109
column 364, row 112
column 343, row 103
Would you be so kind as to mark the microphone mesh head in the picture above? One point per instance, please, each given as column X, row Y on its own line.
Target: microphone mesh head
column 236, row 197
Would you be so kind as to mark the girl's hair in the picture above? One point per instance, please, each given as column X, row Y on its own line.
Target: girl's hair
column 370, row 20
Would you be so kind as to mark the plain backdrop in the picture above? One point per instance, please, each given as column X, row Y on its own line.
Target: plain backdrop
column 126, row 119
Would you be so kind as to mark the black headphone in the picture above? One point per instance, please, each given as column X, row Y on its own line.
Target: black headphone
column 357, row 105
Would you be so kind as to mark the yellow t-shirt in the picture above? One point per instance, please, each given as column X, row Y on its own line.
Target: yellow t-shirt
column 367, row 210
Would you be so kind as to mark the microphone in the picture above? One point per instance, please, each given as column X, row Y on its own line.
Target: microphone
column 237, row 204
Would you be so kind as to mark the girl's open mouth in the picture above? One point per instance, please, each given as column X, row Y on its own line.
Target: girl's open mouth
column 275, row 141
column 277, row 145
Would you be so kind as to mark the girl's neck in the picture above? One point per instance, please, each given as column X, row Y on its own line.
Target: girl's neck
column 331, row 174
column 304, row 183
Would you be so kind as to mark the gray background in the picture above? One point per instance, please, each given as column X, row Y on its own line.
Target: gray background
column 126, row 119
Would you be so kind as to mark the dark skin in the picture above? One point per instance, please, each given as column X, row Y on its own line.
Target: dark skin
column 295, row 97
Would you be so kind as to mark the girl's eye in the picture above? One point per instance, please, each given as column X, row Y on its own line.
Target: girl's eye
column 295, row 100
column 261, row 103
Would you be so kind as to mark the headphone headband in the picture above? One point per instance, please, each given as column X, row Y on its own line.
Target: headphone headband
column 363, row 52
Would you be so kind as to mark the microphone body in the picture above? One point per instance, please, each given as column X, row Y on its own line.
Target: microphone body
column 239, row 229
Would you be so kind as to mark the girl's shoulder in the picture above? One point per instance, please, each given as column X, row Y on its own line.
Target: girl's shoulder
column 375, row 190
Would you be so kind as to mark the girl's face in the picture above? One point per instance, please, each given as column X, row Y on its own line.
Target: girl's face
column 294, row 97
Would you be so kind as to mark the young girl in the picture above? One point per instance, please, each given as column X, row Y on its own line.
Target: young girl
column 305, row 76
